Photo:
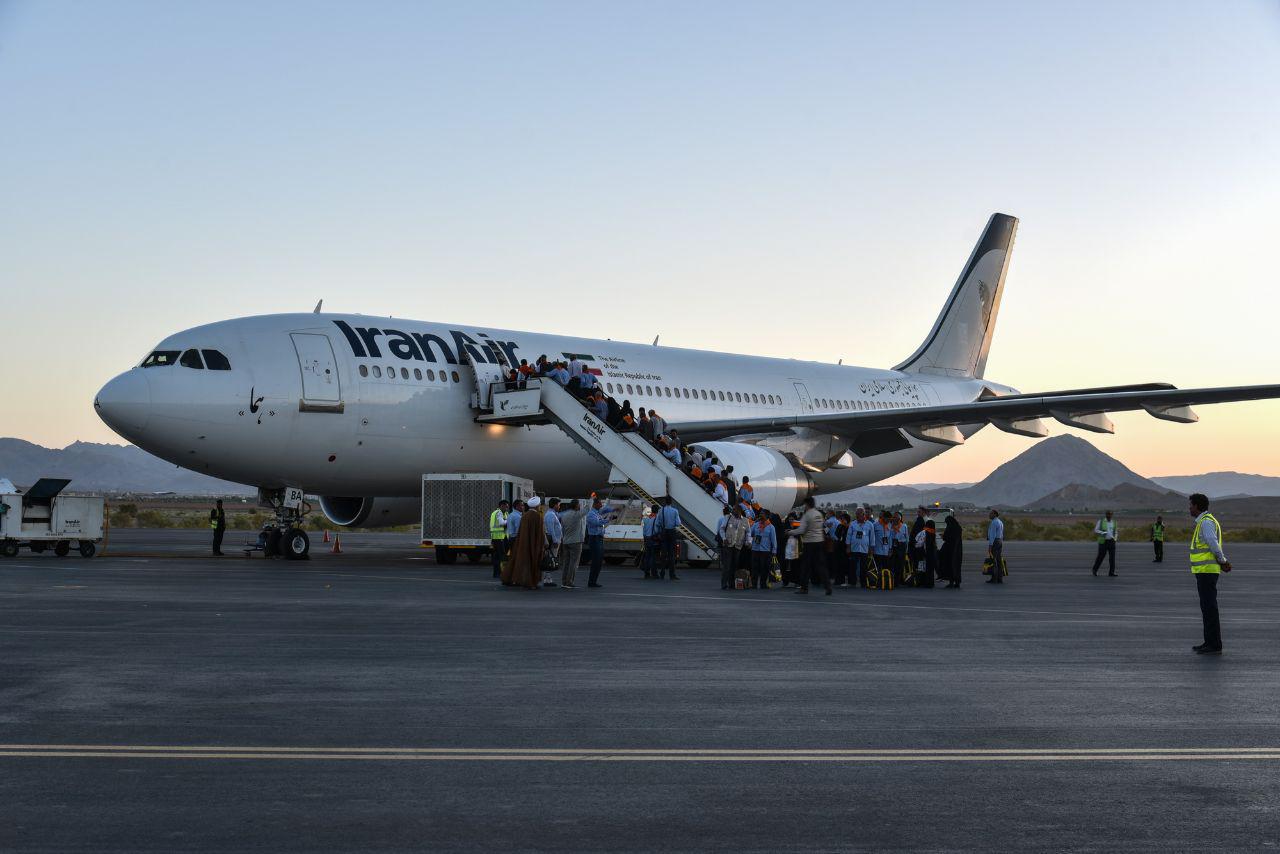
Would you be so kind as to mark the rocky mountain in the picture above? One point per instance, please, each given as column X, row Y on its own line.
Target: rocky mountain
column 1044, row 468
column 1221, row 484
column 106, row 468
column 1123, row 496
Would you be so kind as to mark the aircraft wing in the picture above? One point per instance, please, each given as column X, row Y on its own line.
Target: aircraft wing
column 1020, row 413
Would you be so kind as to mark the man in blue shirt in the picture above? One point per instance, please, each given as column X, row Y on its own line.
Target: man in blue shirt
column 995, row 548
column 649, row 559
column 513, row 521
column 764, row 542
column 667, row 529
column 859, row 541
column 882, row 541
column 597, row 520
column 554, row 530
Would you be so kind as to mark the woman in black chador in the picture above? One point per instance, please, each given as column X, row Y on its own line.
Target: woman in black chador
column 951, row 555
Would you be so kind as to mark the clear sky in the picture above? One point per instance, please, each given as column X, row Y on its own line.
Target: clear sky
column 795, row 179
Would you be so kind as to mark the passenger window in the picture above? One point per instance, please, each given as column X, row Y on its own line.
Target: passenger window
column 377, row 372
column 404, row 373
column 215, row 361
column 391, row 372
column 455, row 377
column 431, row 375
column 417, row 373
column 160, row 359
column 755, row 398
column 364, row 370
column 629, row 391
column 191, row 359
column 686, row 392
column 648, row 390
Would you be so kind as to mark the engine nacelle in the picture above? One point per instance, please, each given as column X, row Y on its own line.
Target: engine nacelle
column 371, row 512
column 779, row 484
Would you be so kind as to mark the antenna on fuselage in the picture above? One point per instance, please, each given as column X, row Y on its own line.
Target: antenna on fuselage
column 655, row 339
column 316, row 310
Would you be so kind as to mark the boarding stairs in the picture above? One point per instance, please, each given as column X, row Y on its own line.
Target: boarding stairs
column 632, row 461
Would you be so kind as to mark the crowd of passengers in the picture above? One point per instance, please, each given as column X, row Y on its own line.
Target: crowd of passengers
column 715, row 478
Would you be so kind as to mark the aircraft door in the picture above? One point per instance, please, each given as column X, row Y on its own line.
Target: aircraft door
column 806, row 402
column 321, row 391
column 486, row 376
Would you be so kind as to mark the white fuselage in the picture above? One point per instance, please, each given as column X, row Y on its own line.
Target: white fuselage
column 407, row 410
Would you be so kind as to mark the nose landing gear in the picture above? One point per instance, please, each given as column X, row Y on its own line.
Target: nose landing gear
column 286, row 536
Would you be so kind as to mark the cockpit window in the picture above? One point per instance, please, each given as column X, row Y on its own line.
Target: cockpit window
column 160, row 359
column 191, row 359
column 215, row 361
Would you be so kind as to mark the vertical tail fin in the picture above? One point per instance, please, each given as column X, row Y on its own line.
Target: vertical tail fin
column 961, row 336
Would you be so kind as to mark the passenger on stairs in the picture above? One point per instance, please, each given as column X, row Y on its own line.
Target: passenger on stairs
column 747, row 492
column 645, row 427
column 599, row 407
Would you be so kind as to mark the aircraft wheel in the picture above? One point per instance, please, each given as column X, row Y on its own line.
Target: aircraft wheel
column 296, row 544
column 61, row 548
column 9, row 548
column 446, row 556
column 88, row 549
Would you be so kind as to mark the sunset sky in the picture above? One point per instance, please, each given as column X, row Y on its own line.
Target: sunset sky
column 792, row 179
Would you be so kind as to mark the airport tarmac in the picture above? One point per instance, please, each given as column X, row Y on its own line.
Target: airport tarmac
column 166, row 701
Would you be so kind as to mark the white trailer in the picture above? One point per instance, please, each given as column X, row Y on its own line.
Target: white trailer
column 456, row 508
column 43, row 519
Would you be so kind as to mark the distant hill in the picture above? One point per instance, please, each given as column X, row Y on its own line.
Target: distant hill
column 1122, row 496
column 1046, row 467
column 1221, row 484
column 106, row 468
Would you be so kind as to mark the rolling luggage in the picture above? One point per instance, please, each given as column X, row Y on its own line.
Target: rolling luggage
column 989, row 564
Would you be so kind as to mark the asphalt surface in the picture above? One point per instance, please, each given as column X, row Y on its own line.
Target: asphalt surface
column 175, row 703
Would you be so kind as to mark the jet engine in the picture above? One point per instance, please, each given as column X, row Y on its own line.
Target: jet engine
column 779, row 483
column 370, row 512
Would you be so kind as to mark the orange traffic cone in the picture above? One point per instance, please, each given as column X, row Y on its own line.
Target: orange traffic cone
column 326, row 535
column 337, row 545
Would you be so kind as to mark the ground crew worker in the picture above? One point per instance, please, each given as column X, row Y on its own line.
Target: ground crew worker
column 218, row 522
column 1157, row 539
column 1105, row 530
column 1207, row 562
column 498, row 536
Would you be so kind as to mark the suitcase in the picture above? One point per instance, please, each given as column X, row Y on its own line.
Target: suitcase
column 989, row 563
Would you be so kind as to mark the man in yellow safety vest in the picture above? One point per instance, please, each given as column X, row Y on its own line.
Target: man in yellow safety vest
column 1207, row 563
column 1157, row 539
column 498, row 536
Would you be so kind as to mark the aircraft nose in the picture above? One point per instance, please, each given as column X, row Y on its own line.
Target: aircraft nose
column 124, row 403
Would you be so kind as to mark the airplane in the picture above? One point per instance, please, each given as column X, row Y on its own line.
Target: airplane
column 354, row 408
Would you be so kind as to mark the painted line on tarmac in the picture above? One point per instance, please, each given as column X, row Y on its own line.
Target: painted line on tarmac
column 383, row 754
column 840, row 602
